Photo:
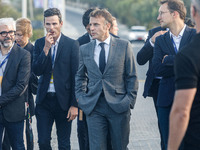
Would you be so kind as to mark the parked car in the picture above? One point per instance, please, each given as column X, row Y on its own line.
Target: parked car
column 138, row 33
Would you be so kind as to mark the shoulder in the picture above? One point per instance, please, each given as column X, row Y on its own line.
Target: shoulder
column 84, row 39
column 192, row 49
column 156, row 29
column 67, row 40
column 40, row 41
column 18, row 51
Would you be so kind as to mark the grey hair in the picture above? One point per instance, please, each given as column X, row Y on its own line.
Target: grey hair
column 196, row 4
column 8, row 22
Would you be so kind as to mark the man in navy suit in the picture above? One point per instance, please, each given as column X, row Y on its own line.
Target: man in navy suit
column 152, row 82
column 171, row 15
column 55, row 60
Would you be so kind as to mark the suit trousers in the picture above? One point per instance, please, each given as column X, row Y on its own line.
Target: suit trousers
column 83, row 137
column 14, row 132
column 82, row 130
column 104, row 119
column 46, row 113
column 154, row 93
column 163, row 120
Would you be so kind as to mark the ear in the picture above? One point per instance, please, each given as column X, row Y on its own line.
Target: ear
column 193, row 10
column 61, row 23
column 175, row 14
column 108, row 25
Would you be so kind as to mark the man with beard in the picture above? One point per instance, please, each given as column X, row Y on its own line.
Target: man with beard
column 55, row 60
column 14, row 77
column 185, row 114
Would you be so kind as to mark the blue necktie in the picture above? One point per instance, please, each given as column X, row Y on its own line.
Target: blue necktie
column 102, row 58
column 53, row 56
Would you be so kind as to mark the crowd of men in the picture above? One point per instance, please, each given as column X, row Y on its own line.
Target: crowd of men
column 95, row 78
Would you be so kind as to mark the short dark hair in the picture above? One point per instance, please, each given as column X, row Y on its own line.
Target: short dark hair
column 86, row 16
column 176, row 5
column 52, row 12
column 189, row 22
column 103, row 13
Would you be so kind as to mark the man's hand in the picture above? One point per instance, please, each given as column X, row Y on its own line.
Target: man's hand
column 153, row 38
column 72, row 113
column 164, row 58
column 48, row 42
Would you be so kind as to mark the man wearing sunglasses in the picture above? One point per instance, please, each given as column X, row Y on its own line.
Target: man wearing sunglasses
column 14, row 76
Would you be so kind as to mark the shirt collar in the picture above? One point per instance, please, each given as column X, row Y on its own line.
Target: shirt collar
column 107, row 41
column 180, row 34
column 57, row 41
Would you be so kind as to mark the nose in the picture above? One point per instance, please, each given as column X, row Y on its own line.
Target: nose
column 158, row 18
column 91, row 27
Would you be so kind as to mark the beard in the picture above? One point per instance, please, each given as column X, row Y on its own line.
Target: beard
column 4, row 43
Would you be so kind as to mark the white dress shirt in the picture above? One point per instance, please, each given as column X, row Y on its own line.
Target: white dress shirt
column 51, row 84
column 97, row 50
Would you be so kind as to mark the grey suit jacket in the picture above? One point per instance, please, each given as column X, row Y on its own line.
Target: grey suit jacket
column 118, row 82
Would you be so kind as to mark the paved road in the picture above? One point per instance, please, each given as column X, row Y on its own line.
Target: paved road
column 144, row 131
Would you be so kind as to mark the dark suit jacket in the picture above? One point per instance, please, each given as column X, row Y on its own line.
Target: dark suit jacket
column 84, row 39
column 14, row 84
column 118, row 82
column 164, row 46
column 29, row 47
column 145, row 55
column 65, row 67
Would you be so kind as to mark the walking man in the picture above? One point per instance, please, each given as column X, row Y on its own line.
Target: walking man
column 106, row 84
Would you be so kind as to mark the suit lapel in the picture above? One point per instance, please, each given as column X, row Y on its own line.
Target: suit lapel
column 10, row 59
column 185, row 37
column 91, row 54
column 169, row 43
column 60, row 46
column 113, row 46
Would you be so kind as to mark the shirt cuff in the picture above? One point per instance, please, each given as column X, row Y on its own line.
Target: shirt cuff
column 151, row 42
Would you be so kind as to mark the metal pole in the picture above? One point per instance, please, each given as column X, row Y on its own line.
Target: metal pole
column 45, row 8
column 24, row 8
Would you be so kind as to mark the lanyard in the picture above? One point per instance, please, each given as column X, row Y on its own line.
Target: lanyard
column 3, row 62
column 53, row 56
column 175, row 48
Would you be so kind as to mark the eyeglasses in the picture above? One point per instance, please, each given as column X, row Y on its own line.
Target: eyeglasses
column 4, row 33
column 162, row 12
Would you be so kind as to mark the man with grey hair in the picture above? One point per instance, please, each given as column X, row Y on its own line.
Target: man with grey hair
column 106, row 84
column 185, row 113
column 14, row 77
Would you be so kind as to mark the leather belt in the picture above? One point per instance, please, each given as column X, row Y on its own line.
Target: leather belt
column 51, row 94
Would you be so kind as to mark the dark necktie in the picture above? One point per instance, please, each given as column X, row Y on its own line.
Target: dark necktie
column 102, row 58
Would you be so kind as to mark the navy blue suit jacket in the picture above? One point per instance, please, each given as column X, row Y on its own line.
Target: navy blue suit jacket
column 164, row 46
column 145, row 55
column 84, row 39
column 65, row 67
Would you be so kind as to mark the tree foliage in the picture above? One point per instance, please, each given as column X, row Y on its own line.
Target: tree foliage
column 133, row 12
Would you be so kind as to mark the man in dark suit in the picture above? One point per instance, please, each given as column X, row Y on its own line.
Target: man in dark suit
column 171, row 15
column 14, row 76
column 55, row 60
column 82, row 127
column 152, row 82
column 106, row 84
column 185, row 113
